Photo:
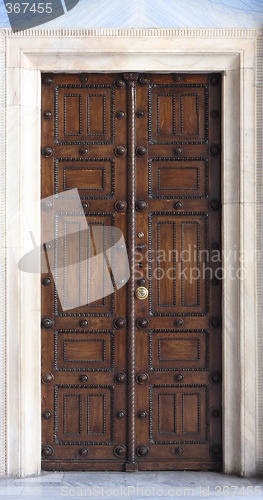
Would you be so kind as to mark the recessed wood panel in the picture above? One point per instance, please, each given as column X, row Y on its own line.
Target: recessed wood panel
column 178, row 349
column 72, row 107
column 171, row 178
column 84, row 350
column 96, row 114
column 71, row 406
column 96, row 418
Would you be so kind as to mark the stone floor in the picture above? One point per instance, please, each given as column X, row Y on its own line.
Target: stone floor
column 131, row 486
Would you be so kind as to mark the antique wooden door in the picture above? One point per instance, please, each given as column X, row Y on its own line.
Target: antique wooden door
column 132, row 380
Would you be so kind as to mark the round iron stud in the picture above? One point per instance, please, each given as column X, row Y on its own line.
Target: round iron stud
column 119, row 83
column 215, row 378
column 214, row 204
column 83, row 323
column 141, row 282
column 119, row 323
column 142, row 450
column 141, row 205
column 48, row 151
column 140, row 113
column 47, row 451
column 178, row 150
column 215, row 450
column 141, row 151
column 47, row 80
column 215, row 113
column 142, row 414
column 178, row 205
column 47, row 114
column 120, row 414
column 46, row 281
column 84, row 378
column 120, row 378
column 178, row 322
column 47, row 415
column 215, row 281
column 47, row 378
column 143, row 80
column 214, row 79
column 214, row 150
column 83, row 452
column 120, row 115
column 215, row 322
column 216, row 413
column 177, row 78
column 83, row 78
column 142, row 323
column 142, row 378
column 120, row 151
column 47, row 323
column 119, row 450
column 178, row 450
column 179, row 377
column 47, row 246
column 83, row 151
column 120, row 205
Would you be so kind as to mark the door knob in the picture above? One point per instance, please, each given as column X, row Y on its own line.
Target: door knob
column 141, row 293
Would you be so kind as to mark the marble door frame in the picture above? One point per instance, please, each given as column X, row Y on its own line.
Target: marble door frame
column 237, row 54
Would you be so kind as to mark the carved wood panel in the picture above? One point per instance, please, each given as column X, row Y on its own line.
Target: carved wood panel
column 131, row 375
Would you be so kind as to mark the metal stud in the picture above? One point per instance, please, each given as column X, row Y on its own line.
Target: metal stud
column 83, row 78
column 120, row 414
column 141, row 282
column 215, row 246
column 47, row 415
column 140, row 235
column 142, row 414
column 214, row 204
column 119, row 450
column 215, row 113
column 119, row 83
column 141, row 205
column 215, row 449
column 215, row 281
column 178, row 322
column 47, row 451
column 85, row 205
column 47, row 323
column 177, row 78
column 178, row 450
column 140, row 113
column 178, row 205
column 47, row 114
column 142, row 450
column 215, row 378
column 214, row 79
column 120, row 205
column 179, row 377
column 83, row 323
column 47, row 378
column 120, row 378
column 120, row 151
column 120, row 115
column 141, row 293
column 84, row 378
column 142, row 378
column 143, row 80
column 142, row 323
column 83, row 452
column 214, row 150
column 47, row 205
column 48, row 151
column 83, row 151
column 216, row 413
column 47, row 80
column 215, row 322
column 119, row 323
column 141, row 151
column 141, row 247
column 47, row 246
column 178, row 150
column 46, row 281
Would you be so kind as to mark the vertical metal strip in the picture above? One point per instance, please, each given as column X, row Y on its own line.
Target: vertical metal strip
column 131, row 164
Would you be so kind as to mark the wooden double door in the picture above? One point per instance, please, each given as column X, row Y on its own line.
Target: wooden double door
column 132, row 380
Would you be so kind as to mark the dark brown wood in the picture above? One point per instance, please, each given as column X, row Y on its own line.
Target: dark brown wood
column 132, row 381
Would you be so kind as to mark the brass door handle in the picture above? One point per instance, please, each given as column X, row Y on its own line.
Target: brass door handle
column 141, row 293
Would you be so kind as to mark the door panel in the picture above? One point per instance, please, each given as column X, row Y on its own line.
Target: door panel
column 131, row 373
